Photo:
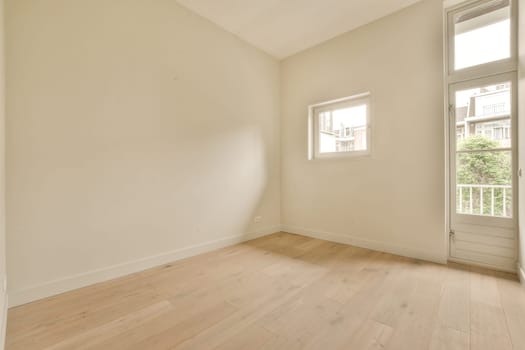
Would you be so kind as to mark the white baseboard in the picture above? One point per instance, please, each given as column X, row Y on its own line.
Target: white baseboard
column 369, row 244
column 521, row 274
column 24, row 296
column 500, row 268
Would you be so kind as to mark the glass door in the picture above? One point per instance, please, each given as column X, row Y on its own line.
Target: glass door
column 482, row 165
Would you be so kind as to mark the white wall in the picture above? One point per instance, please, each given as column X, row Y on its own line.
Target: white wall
column 135, row 128
column 521, row 138
column 3, row 295
column 395, row 199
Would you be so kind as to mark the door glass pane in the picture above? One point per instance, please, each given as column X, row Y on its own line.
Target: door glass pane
column 482, row 34
column 483, row 117
column 484, row 183
column 483, row 151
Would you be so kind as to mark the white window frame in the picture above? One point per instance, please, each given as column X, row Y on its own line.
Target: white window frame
column 459, row 220
column 313, row 126
column 488, row 71
column 505, row 65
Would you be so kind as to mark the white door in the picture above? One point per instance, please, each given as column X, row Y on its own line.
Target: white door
column 483, row 194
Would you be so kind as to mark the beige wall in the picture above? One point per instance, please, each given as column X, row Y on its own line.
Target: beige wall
column 521, row 138
column 3, row 295
column 393, row 200
column 135, row 128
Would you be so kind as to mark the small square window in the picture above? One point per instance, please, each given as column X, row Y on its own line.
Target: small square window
column 340, row 127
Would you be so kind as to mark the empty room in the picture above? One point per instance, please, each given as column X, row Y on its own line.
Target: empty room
column 262, row 174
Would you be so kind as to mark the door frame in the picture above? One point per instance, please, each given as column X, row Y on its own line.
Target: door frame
column 450, row 77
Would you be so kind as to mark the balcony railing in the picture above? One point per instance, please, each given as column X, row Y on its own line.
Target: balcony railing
column 487, row 200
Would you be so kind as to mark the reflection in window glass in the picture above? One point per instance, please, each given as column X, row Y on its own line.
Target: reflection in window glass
column 484, row 111
column 343, row 130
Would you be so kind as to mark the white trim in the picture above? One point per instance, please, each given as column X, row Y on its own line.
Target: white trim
column 480, row 264
column 495, row 223
column 26, row 295
column 481, row 70
column 447, row 116
column 521, row 274
column 454, row 79
column 313, row 126
column 452, row 3
column 369, row 244
column 341, row 100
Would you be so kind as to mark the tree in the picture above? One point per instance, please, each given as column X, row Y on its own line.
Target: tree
column 484, row 168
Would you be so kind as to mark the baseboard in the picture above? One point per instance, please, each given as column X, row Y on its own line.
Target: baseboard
column 27, row 295
column 485, row 266
column 369, row 244
column 521, row 274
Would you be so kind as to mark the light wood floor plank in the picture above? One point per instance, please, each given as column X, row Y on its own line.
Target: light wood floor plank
column 283, row 291
column 488, row 323
column 445, row 338
column 513, row 302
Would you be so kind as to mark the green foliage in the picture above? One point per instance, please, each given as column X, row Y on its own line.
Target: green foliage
column 485, row 168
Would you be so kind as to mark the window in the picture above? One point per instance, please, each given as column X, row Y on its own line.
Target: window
column 340, row 128
column 481, row 34
column 494, row 108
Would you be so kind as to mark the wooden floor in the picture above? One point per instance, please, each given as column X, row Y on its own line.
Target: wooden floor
column 283, row 292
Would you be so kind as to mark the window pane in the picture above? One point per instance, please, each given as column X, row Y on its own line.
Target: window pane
column 483, row 117
column 482, row 34
column 343, row 130
column 484, row 183
column 483, row 163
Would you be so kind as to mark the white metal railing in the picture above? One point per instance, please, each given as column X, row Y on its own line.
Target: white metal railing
column 488, row 200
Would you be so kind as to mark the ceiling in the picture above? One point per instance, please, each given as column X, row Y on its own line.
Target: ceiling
column 285, row 27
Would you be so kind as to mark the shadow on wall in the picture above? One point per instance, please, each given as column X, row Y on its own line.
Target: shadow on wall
column 223, row 166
